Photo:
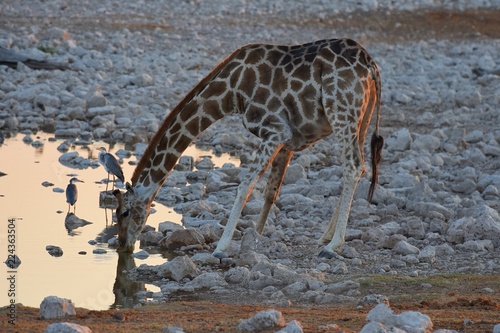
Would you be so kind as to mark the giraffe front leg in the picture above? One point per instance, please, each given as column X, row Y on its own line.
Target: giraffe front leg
column 266, row 155
column 242, row 195
column 273, row 186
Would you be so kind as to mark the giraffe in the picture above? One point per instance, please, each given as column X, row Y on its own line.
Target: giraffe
column 289, row 97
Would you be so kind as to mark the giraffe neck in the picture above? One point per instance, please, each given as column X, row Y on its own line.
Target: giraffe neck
column 204, row 105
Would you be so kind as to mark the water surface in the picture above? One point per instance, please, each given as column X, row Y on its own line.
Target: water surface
column 89, row 280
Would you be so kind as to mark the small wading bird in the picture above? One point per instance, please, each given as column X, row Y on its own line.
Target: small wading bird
column 72, row 194
column 111, row 166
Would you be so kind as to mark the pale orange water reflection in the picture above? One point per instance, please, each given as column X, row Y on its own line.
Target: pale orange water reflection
column 85, row 279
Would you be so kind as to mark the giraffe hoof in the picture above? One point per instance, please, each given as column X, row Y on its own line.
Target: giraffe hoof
column 220, row 255
column 326, row 254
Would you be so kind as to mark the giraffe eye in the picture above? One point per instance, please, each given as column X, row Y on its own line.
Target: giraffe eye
column 126, row 213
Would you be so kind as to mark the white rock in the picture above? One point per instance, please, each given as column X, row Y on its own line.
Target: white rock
column 444, row 250
column 172, row 329
column 67, row 328
column 292, row 327
column 53, row 307
column 67, row 157
column 411, row 322
column 478, row 245
column 100, row 111
column 205, row 258
column 208, row 280
column 376, row 327
column 263, row 320
column 474, row 137
column 380, row 313
column 294, row 173
column 95, row 98
column 400, row 140
column 47, row 100
column 404, row 248
column 342, row 287
column 142, row 80
column 340, row 268
column 141, row 254
column 237, row 275
column 483, row 223
column 426, row 142
column 150, row 238
column 467, row 186
column 428, row 254
column 178, row 269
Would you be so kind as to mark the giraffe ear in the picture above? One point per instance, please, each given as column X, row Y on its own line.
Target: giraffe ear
column 129, row 188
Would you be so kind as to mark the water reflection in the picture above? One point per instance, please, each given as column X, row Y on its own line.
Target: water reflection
column 38, row 174
column 125, row 289
column 73, row 222
column 107, row 233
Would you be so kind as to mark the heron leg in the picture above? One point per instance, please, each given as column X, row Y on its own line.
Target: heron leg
column 107, row 183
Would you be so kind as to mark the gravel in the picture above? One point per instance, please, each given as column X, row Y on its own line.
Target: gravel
column 438, row 203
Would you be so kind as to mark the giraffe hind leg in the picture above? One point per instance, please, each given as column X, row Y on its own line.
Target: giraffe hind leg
column 338, row 223
column 330, row 229
column 273, row 186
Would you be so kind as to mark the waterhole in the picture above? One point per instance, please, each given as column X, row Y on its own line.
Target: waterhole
column 33, row 203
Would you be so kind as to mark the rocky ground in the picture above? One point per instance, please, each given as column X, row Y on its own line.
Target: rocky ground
column 436, row 210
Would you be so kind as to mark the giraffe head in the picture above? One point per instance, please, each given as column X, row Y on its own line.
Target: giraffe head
column 132, row 213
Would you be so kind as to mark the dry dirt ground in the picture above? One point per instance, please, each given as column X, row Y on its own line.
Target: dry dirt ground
column 457, row 302
column 450, row 302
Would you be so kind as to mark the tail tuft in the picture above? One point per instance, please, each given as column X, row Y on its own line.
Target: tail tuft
column 376, row 150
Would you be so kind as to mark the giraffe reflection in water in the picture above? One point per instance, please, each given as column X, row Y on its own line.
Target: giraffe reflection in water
column 125, row 289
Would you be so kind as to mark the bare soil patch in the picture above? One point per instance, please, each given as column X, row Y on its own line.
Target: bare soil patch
column 456, row 302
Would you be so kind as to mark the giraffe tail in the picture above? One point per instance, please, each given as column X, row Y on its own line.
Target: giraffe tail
column 377, row 141
column 376, row 149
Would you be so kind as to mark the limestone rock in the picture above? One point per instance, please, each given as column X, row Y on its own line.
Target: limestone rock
column 292, row 327
column 405, row 248
column 237, row 275
column 399, row 140
column 180, row 238
column 167, row 226
column 294, row 173
column 482, row 223
column 262, row 320
column 382, row 319
column 150, row 238
column 141, row 254
column 67, row 328
column 53, row 307
column 178, row 269
column 207, row 280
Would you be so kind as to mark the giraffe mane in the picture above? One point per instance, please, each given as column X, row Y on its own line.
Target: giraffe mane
column 155, row 140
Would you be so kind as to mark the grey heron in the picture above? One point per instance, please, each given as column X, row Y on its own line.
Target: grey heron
column 72, row 193
column 111, row 166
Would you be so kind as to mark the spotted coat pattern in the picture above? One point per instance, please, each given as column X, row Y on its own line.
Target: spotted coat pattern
column 289, row 97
